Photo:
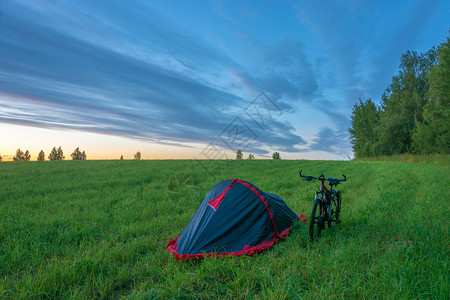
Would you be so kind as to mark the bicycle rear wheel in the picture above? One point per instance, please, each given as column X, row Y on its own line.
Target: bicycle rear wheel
column 317, row 220
column 335, row 210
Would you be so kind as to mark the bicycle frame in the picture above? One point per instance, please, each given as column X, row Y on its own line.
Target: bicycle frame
column 326, row 194
column 329, row 196
column 328, row 201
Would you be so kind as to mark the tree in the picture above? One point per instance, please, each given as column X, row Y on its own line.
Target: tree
column 26, row 156
column 239, row 154
column 1, row 157
column 137, row 156
column 60, row 154
column 364, row 119
column 53, row 154
column 56, row 154
column 20, row 156
column 276, row 155
column 78, row 155
column 41, row 156
column 403, row 102
column 121, row 157
column 251, row 156
column 432, row 135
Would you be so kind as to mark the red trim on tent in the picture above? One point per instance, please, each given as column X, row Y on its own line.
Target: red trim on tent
column 248, row 250
column 214, row 203
column 263, row 200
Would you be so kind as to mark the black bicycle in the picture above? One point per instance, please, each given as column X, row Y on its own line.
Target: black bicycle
column 327, row 205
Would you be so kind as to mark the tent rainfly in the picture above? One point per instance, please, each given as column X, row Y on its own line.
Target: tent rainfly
column 235, row 218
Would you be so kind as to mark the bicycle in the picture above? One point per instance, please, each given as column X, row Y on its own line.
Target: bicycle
column 327, row 205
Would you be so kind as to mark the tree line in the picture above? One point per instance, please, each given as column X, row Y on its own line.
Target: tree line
column 413, row 116
column 240, row 155
column 55, row 154
column 58, row 154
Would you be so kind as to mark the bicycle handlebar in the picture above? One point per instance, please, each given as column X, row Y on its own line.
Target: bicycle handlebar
column 322, row 178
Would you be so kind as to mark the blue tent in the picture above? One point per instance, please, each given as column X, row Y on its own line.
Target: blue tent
column 235, row 218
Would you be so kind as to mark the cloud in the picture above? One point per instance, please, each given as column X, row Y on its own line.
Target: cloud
column 288, row 76
column 282, row 71
column 122, row 73
column 361, row 50
column 363, row 40
column 331, row 141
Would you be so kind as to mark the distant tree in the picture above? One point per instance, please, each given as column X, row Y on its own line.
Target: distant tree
column 276, row 155
column 1, row 157
column 121, row 157
column 26, row 156
column 137, row 156
column 364, row 119
column 60, row 154
column 251, row 156
column 53, row 154
column 19, row 155
column 41, row 156
column 239, row 154
column 56, row 154
column 78, row 155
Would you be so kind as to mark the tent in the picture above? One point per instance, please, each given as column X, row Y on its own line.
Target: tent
column 235, row 218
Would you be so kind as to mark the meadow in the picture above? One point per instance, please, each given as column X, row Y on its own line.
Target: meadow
column 99, row 229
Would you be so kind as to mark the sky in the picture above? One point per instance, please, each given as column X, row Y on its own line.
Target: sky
column 200, row 79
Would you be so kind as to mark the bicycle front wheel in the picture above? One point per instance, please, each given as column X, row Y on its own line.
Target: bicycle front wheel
column 317, row 220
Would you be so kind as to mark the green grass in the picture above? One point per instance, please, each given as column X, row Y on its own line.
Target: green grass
column 86, row 229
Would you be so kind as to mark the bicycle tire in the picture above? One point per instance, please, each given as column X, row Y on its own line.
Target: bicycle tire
column 335, row 210
column 317, row 220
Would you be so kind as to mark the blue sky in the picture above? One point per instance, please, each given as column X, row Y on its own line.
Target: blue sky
column 175, row 79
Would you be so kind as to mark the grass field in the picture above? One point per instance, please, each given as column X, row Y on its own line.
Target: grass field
column 88, row 229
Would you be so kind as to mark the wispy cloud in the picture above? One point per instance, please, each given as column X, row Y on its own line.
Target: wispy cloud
column 151, row 81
